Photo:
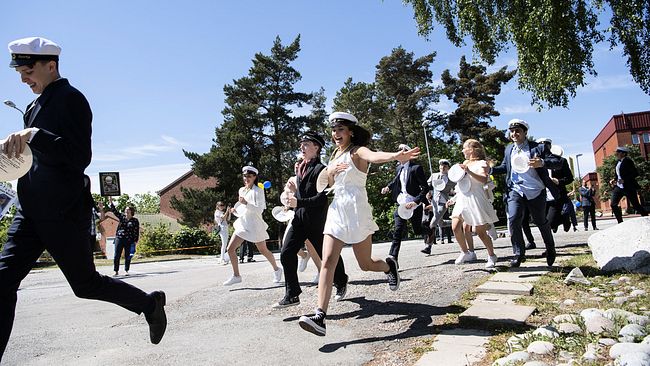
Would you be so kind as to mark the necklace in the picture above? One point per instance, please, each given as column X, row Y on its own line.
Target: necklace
column 338, row 152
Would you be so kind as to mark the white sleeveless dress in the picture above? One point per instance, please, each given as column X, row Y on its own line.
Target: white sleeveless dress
column 251, row 226
column 349, row 216
column 474, row 205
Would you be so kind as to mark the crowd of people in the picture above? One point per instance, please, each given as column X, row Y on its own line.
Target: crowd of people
column 456, row 199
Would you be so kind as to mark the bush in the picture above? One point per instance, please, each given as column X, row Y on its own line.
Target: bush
column 189, row 237
column 154, row 239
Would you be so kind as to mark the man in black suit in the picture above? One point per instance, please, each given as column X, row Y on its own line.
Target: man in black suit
column 54, row 199
column 409, row 187
column 308, row 222
column 625, row 184
column 525, row 165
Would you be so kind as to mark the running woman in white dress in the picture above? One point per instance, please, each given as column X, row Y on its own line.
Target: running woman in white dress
column 472, row 204
column 250, row 225
column 349, row 217
column 221, row 217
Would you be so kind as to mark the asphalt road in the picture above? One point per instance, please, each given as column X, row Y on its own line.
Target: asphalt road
column 210, row 324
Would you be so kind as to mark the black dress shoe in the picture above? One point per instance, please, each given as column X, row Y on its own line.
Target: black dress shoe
column 157, row 319
column 550, row 257
column 426, row 250
column 516, row 261
column 530, row 246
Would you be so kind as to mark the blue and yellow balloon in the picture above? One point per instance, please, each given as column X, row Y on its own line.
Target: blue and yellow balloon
column 267, row 184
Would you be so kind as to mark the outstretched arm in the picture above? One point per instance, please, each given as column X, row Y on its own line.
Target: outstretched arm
column 378, row 157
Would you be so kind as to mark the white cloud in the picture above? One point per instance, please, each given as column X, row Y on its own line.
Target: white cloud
column 134, row 152
column 606, row 83
column 518, row 109
column 172, row 140
column 145, row 179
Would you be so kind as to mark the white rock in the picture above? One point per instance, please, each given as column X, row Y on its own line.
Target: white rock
column 614, row 282
column 623, row 348
column 633, row 359
column 569, row 328
column 591, row 353
column 576, row 276
column 595, row 289
column 638, row 319
column 607, row 341
column 620, row 300
column 598, row 324
column 514, row 342
column 626, row 339
column 591, row 313
column 625, row 246
column 646, row 340
column 605, row 294
column 619, row 293
column 596, row 299
column 540, row 347
column 520, row 356
column 546, row 331
column 637, row 293
column 624, row 279
column 566, row 318
column 632, row 330
column 614, row 313
column 536, row 363
column 569, row 302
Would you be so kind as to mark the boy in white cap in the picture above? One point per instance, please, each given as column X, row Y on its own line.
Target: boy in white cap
column 54, row 196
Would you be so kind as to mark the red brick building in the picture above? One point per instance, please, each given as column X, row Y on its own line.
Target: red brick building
column 187, row 180
column 622, row 129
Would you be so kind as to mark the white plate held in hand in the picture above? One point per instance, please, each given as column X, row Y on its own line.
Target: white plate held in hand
column 281, row 214
column 404, row 212
column 240, row 209
column 14, row 168
column 456, row 173
column 520, row 164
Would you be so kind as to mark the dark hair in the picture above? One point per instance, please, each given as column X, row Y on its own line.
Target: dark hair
column 132, row 209
column 360, row 136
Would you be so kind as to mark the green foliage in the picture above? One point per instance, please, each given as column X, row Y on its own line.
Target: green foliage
column 196, row 206
column 120, row 203
column 147, row 203
column 189, row 237
column 607, row 173
column 259, row 127
column 554, row 39
column 155, row 238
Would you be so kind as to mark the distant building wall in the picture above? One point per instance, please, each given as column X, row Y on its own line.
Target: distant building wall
column 187, row 180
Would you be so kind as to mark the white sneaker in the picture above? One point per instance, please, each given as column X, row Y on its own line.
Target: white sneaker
column 302, row 262
column 463, row 258
column 491, row 261
column 277, row 275
column 232, row 280
column 316, row 279
column 472, row 257
column 492, row 232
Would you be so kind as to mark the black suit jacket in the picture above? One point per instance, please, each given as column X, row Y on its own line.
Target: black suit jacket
column 416, row 183
column 629, row 173
column 564, row 177
column 54, row 186
column 550, row 162
column 312, row 205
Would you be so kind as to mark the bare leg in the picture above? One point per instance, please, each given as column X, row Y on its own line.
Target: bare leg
column 363, row 253
column 261, row 246
column 457, row 226
column 314, row 254
column 302, row 253
column 235, row 242
column 481, row 231
column 331, row 252
column 469, row 238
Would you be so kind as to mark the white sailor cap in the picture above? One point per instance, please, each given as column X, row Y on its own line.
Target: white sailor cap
column 544, row 140
column 27, row 51
column 623, row 149
column 249, row 169
column 336, row 116
column 516, row 122
column 404, row 147
column 444, row 161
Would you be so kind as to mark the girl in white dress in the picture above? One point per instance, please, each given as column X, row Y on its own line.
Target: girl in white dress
column 472, row 205
column 221, row 217
column 250, row 225
column 349, row 217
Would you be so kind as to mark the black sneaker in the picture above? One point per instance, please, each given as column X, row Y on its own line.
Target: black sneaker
column 313, row 324
column 287, row 301
column 392, row 274
column 427, row 249
column 340, row 292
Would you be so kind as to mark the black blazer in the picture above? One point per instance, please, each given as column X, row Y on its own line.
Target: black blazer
column 550, row 162
column 416, row 183
column 564, row 177
column 54, row 186
column 629, row 173
column 312, row 205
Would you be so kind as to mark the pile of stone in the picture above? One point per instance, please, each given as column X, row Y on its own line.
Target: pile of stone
column 617, row 336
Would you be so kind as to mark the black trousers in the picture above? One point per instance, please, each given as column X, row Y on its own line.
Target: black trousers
column 517, row 206
column 400, row 227
column 632, row 199
column 589, row 211
column 66, row 239
column 294, row 240
column 247, row 249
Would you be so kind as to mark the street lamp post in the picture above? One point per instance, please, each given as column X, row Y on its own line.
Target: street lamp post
column 11, row 104
column 426, row 141
column 578, row 166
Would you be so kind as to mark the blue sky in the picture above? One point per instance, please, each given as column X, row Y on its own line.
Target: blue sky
column 154, row 71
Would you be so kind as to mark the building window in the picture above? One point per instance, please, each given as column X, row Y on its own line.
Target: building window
column 646, row 138
column 635, row 139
